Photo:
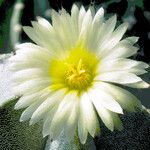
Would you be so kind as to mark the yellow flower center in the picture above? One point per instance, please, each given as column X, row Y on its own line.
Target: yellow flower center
column 78, row 76
column 75, row 70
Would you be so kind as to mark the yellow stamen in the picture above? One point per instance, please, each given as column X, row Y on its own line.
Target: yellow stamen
column 76, row 70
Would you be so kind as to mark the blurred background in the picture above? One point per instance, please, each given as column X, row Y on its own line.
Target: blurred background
column 17, row 13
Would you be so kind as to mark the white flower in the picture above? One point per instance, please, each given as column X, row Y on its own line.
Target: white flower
column 71, row 72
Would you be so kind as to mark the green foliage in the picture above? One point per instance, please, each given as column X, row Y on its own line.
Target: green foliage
column 140, row 3
column 4, row 32
column 1, row 1
column 15, row 135
column 40, row 7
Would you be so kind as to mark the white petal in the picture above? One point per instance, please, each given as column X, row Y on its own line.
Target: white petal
column 58, row 33
column 35, row 53
column 132, row 40
column 74, row 11
column 89, row 114
column 68, row 28
column 74, row 19
column 32, row 86
column 29, row 111
column 137, row 71
column 107, row 31
column 87, row 20
column 110, row 25
column 21, row 65
column 119, row 64
column 141, row 84
column 122, row 50
column 117, row 122
column 32, row 35
column 62, row 33
column 82, row 13
column 120, row 77
column 45, row 35
column 47, row 105
column 114, row 39
column 28, row 47
column 22, row 59
column 103, row 113
column 28, row 74
column 119, row 32
column 106, row 100
column 82, row 126
column 27, row 100
column 61, row 115
column 127, row 100
column 50, row 38
column 30, row 57
column 94, row 31
column 55, row 17
column 98, row 16
column 72, row 121
column 44, row 22
column 47, row 121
